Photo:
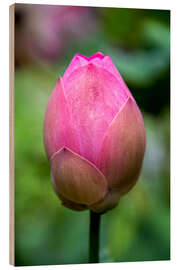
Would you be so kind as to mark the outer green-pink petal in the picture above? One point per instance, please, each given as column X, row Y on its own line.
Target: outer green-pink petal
column 122, row 151
column 69, row 204
column 77, row 179
column 110, row 201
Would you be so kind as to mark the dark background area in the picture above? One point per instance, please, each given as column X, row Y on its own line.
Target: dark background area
column 138, row 41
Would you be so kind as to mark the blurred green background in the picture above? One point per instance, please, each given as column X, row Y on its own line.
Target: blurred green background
column 138, row 41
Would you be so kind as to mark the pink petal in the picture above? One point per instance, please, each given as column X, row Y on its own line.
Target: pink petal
column 57, row 123
column 77, row 179
column 94, row 97
column 122, row 151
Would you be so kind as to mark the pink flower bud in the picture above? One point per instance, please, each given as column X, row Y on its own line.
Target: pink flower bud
column 94, row 135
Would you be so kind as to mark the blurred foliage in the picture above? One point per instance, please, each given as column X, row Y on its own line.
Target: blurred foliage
column 139, row 228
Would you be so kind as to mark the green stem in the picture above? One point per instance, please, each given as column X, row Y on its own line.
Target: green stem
column 94, row 237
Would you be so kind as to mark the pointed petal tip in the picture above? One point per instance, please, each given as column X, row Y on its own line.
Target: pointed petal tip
column 99, row 55
column 78, row 55
column 59, row 85
column 59, row 79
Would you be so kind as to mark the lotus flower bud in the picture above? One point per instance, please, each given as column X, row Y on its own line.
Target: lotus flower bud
column 94, row 135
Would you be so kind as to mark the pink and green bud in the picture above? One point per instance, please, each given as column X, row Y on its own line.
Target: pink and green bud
column 94, row 135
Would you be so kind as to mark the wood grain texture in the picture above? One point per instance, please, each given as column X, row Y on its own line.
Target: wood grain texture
column 11, row 133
